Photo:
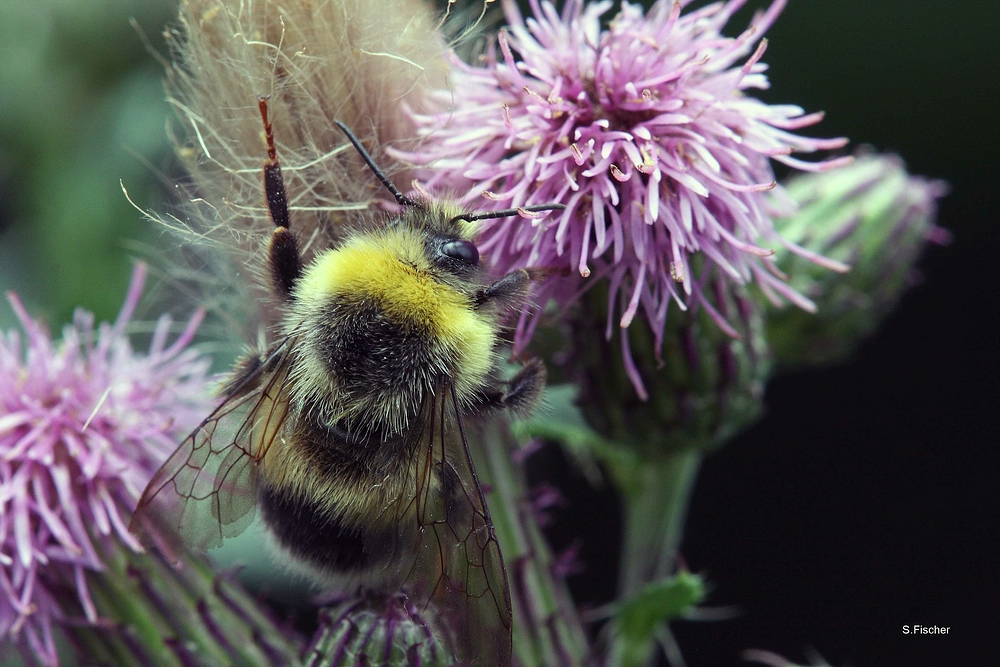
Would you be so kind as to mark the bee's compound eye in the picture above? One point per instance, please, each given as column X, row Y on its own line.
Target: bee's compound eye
column 462, row 250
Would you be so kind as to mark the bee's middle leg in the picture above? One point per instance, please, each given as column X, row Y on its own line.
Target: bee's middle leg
column 520, row 394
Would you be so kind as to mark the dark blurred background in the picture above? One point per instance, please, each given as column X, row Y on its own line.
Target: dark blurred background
column 867, row 498
column 864, row 501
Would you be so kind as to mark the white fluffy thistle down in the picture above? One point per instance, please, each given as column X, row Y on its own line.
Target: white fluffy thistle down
column 353, row 60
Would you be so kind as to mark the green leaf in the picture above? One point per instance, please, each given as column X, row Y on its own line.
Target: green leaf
column 560, row 420
column 659, row 602
column 640, row 619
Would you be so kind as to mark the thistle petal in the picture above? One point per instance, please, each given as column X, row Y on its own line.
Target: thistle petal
column 79, row 420
column 660, row 92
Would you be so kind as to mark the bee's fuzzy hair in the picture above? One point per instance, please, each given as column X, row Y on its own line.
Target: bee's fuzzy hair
column 357, row 61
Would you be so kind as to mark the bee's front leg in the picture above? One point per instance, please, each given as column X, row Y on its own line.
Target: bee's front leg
column 510, row 291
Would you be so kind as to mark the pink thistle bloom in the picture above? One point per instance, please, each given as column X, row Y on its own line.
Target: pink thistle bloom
column 645, row 131
column 83, row 426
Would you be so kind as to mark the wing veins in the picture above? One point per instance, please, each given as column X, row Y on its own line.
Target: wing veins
column 205, row 490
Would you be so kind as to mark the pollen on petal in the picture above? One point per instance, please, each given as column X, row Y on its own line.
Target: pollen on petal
column 651, row 113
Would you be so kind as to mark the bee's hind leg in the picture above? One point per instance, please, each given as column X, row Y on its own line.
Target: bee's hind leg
column 284, row 262
column 283, row 258
column 519, row 395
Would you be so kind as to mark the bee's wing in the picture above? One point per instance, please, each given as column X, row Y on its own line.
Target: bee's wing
column 458, row 566
column 207, row 489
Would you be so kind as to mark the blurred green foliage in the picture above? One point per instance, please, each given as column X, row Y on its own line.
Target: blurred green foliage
column 81, row 108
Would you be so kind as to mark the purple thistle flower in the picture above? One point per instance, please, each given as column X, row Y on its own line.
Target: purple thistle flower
column 83, row 426
column 645, row 132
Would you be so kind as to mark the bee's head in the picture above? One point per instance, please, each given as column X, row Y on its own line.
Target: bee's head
column 446, row 239
column 447, row 232
column 418, row 267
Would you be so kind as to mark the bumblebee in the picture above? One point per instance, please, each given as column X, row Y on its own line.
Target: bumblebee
column 348, row 433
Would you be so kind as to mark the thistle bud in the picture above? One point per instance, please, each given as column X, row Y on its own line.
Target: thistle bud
column 374, row 631
column 702, row 384
column 872, row 215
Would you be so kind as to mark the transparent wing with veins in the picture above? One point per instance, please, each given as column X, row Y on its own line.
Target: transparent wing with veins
column 207, row 490
column 457, row 566
column 445, row 549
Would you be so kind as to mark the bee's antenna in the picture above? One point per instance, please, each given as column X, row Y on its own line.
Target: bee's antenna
column 507, row 212
column 401, row 199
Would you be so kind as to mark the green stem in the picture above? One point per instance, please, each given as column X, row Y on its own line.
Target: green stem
column 655, row 510
column 656, row 500
column 547, row 630
column 156, row 615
